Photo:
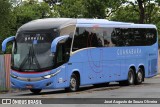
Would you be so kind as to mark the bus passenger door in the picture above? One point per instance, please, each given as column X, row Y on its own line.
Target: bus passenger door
column 61, row 66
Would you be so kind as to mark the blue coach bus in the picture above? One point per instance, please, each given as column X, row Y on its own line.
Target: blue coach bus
column 68, row 53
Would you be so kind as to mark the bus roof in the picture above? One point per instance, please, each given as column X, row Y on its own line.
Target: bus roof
column 50, row 23
column 103, row 22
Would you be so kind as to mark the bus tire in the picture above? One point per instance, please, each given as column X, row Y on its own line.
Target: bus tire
column 35, row 91
column 131, row 77
column 74, row 83
column 139, row 77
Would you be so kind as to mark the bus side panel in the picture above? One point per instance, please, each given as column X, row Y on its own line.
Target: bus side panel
column 114, row 64
column 112, row 70
column 94, row 66
column 60, row 78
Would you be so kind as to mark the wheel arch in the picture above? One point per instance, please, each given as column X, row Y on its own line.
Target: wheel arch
column 77, row 73
column 134, row 69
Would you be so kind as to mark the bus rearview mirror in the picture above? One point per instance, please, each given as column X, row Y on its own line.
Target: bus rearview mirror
column 55, row 42
column 4, row 43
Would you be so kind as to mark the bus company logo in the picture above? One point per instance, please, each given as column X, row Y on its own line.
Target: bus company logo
column 6, row 101
column 34, row 38
column 129, row 51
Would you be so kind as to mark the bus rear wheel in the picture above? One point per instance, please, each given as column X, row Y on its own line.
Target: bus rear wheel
column 131, row 77
column 130, row 80
column 35, row 91
column 139, row 77
column 74, row 83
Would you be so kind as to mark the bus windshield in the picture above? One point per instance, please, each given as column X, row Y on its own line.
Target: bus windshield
column 32, row 52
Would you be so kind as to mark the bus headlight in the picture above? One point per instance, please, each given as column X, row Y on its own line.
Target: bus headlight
column 13, row 76
column 51, row 75
column 47, row 76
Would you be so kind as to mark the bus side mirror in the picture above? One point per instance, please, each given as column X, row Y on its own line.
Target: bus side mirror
column 4, row 43
column 55, row 42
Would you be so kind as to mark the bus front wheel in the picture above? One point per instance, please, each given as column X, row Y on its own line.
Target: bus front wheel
column 74, row 83
column 35, row 91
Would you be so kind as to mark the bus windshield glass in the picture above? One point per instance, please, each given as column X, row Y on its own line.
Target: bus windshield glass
column 32, row 52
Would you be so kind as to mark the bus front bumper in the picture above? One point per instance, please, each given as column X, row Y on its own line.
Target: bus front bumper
column 29, row 84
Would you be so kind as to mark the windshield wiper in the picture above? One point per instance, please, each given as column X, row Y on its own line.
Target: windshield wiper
column 29, row 58
column 34, row 57
column 25, row 59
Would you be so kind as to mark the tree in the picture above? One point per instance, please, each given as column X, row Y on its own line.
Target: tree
column 31, row 10
column 113, row 6
column 145, row 9
column 95, row 8
column 87, row 8
column 125, row 14
column 101, row 8
column 141, row 11
column 132, row 13
column 7, row 19
column 70, row 8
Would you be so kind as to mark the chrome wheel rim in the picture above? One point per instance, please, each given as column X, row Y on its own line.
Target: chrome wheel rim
column 130, row 77
column 73, row 83
column 139, row 76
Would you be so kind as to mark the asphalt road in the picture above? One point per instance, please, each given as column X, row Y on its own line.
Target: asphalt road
column 149, row 89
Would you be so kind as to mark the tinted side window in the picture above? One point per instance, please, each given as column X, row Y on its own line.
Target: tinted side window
column 151, row 36
column 133, row 36
column 68, row 30
column 80, row 39
column 87, row 37
column 107, row 37
column 118, row 37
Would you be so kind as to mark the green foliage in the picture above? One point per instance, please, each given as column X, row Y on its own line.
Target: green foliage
column 125, row 14
column 5, row 9
column 7, row 20
column 70, row 8
column 112, row 6
column 87, row 8
column 95, row 8
column 30, row 11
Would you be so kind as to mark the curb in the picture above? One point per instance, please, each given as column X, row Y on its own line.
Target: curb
column 157, row 75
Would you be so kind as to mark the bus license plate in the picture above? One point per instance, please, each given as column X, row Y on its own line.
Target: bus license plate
column 29, row 86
